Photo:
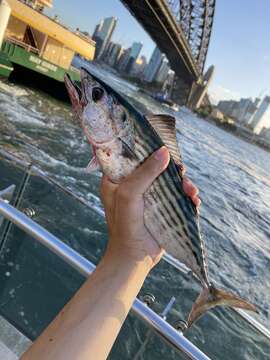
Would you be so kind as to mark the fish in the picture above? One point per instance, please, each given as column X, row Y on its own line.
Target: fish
column 122, row 138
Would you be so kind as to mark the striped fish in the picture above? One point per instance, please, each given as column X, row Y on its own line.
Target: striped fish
column 122, row 138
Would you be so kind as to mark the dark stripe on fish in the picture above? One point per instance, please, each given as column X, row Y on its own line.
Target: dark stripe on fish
column 168, row 181
column 172, row 211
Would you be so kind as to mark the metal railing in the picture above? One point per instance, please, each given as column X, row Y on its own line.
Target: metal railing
column 84, row 264
column 35, row 170
column 168, row 258
column 22, row 44
column 156, row 322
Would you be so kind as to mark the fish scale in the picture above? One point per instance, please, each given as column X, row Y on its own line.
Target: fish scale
column 122, row 139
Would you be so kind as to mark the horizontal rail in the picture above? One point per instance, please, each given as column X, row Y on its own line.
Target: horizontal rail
column 27, row 47
column 167, row 257
column 257, row 325
column 168, row 333
column 30, row 167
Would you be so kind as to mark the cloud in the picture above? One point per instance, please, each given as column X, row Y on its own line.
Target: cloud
column 219, row 92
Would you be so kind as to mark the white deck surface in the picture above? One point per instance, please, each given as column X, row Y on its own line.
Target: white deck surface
column 7, row 354
column 12, row 343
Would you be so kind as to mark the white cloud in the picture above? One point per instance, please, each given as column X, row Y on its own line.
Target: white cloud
column 218, row 92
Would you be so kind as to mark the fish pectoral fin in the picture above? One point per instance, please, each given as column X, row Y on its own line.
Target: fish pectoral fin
column 211, row 297
column 92, row 166
column 127, row 150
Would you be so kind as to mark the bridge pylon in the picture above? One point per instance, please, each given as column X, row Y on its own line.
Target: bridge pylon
column 199, row 89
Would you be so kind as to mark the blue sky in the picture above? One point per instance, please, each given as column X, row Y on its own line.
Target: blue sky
column 239, row 47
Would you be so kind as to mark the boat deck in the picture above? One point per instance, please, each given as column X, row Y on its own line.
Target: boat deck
column 12, row 342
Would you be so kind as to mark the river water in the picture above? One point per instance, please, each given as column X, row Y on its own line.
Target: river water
column 234, row 182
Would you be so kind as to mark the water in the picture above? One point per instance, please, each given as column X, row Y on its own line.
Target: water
column 233, row 178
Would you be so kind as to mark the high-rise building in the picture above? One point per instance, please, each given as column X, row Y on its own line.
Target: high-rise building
column 167, row 86
column 107, row 52
column 257, row 101
column 245, row 110
column 163, row 71
column 266, row 133
column 154, row 65
column 103, row 34
column 135, row 49
column 139, row 66
column 123, row 61
column 134, row 53
column 115, row 54
column 261, row 118
column 228, row 107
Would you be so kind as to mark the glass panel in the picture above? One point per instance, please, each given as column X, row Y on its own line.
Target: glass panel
column 81, row 227
column 130, row 339
column 11, row 173
column 137, row 342
column 221, row 333
column 35, row 284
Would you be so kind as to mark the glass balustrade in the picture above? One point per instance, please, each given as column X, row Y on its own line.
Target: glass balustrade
column 35, row 283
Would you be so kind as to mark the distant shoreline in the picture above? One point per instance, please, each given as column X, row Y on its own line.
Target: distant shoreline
column 241, row 133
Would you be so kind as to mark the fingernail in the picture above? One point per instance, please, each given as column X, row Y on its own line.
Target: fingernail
column 161, row 154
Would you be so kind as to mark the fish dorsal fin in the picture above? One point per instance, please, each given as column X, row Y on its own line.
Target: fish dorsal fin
column 165, row 127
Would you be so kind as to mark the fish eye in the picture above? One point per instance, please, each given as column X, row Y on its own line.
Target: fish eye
column 97, row 94
column 124, row 116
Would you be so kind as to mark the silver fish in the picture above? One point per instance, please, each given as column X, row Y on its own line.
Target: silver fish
column 122, row 139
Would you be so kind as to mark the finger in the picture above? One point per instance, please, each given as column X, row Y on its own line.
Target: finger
column 141, row 179
column 182, row 170
column 159, row 256
column 189, row 188
column 196, row 201
column 107, row 191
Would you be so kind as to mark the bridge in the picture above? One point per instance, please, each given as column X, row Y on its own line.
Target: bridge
column 181, row 29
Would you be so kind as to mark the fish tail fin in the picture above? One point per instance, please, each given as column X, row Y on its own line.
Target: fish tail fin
column 211, row 297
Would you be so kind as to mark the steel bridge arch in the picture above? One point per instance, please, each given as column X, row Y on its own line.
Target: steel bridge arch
column 195, row 18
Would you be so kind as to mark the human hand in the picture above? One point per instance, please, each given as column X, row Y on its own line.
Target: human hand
column 124, row 208
column 191, row 190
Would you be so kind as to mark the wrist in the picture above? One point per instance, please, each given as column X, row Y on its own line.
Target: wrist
column 125, row 255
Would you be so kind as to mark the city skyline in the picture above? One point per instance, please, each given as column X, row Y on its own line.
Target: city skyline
column 252, row 115
column 237, row 46
column 129, row 62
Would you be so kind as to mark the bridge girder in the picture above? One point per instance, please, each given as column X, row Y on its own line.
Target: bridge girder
column 157, row 19
column 181, row 29
column 196, row 20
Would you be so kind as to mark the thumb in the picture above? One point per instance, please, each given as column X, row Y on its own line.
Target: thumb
column 141, row 179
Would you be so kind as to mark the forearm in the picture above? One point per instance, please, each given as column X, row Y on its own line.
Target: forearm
column 89, row 324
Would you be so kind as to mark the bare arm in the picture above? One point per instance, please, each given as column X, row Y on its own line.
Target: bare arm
column 88, row 325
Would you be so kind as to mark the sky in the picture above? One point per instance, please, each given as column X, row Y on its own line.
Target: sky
column 239, row 46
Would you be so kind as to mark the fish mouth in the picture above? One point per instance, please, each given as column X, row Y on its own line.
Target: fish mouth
column 88, row 91
column 74, row 90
